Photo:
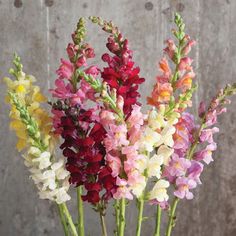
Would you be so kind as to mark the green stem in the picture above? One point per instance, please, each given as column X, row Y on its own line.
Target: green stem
column 117, row 213
column 69, row 219
column 80, row 212
column 122, row 217
column 103, row 224
column 140, row 216
column 158, row 222
column 171, row 222
column 63, row 220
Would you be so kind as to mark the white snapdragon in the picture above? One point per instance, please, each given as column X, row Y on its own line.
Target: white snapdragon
column 158, row 138
column 51, row 178
column 165, row 152
column 154, row 166
column 43, row 160
column 159, row 191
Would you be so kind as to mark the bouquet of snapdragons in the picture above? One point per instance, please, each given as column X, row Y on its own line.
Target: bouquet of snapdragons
column 112, row 151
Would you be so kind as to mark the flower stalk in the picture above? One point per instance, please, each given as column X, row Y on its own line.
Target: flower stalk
column 63, row 220
column 80, row 211
column 122, row 217
column 140, row 205
column 172, row 217
column 69, row 220
column 117, row 215
column 158, row 221
column 103, row 223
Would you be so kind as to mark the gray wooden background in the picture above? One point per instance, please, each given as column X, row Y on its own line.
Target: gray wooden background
column 39, row 31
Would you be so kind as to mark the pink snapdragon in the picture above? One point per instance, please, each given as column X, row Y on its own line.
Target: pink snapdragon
column 185, row 64
column 206, row 154
column 116, row 137
column 114, row 163
column 195, row 170
column 177, row 166
column 132, row 158
column 184, row 185
column 207, row 135
column 65, row 70
column 186, row 50
column 171, row 48
column 122, row 191
column 183, row 136
column 135, row 123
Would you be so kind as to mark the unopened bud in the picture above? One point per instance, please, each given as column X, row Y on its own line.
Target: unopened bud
column 120, row 102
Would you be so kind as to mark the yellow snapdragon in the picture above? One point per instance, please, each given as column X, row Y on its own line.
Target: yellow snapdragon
column 33, row 125
column 29, row 95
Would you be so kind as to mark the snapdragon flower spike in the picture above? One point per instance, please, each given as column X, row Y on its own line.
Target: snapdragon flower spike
column 85, row 155
column 33, row 127
column 129, row 154
column 174, row 88
column 209, row 118
column 189, row 177
column 80, row 126
column 66, row 83
column 122, row 154
column 183, row 173
column 157, row 138
column 122, row 78
column 120, row 74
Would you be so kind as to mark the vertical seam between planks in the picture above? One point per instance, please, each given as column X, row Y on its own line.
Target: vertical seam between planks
column 48, row 46
column 197, row 94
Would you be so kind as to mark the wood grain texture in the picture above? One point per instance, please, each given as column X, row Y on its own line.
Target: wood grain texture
column 39, row 31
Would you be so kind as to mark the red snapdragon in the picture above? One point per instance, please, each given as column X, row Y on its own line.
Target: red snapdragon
column 120, row 74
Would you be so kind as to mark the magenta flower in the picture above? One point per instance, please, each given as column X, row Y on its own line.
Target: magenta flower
column 65, row 91
column 81, row 61
column 114, row 163
column 164, row 205
column 72, row 50
column 132, row 157
column 136, row 117
column 214, row 110
column 183, row 136
column 116, row 137
column 207, row 135
column 195, row 170
column 65, row 70
column 211, row 116
column 177, row 166
column 184, row 185
column 206, row 154
column 122, row 191
column 56, row 119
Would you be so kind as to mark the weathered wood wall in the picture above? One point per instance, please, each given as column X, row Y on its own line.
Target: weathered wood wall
column 39, row 31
